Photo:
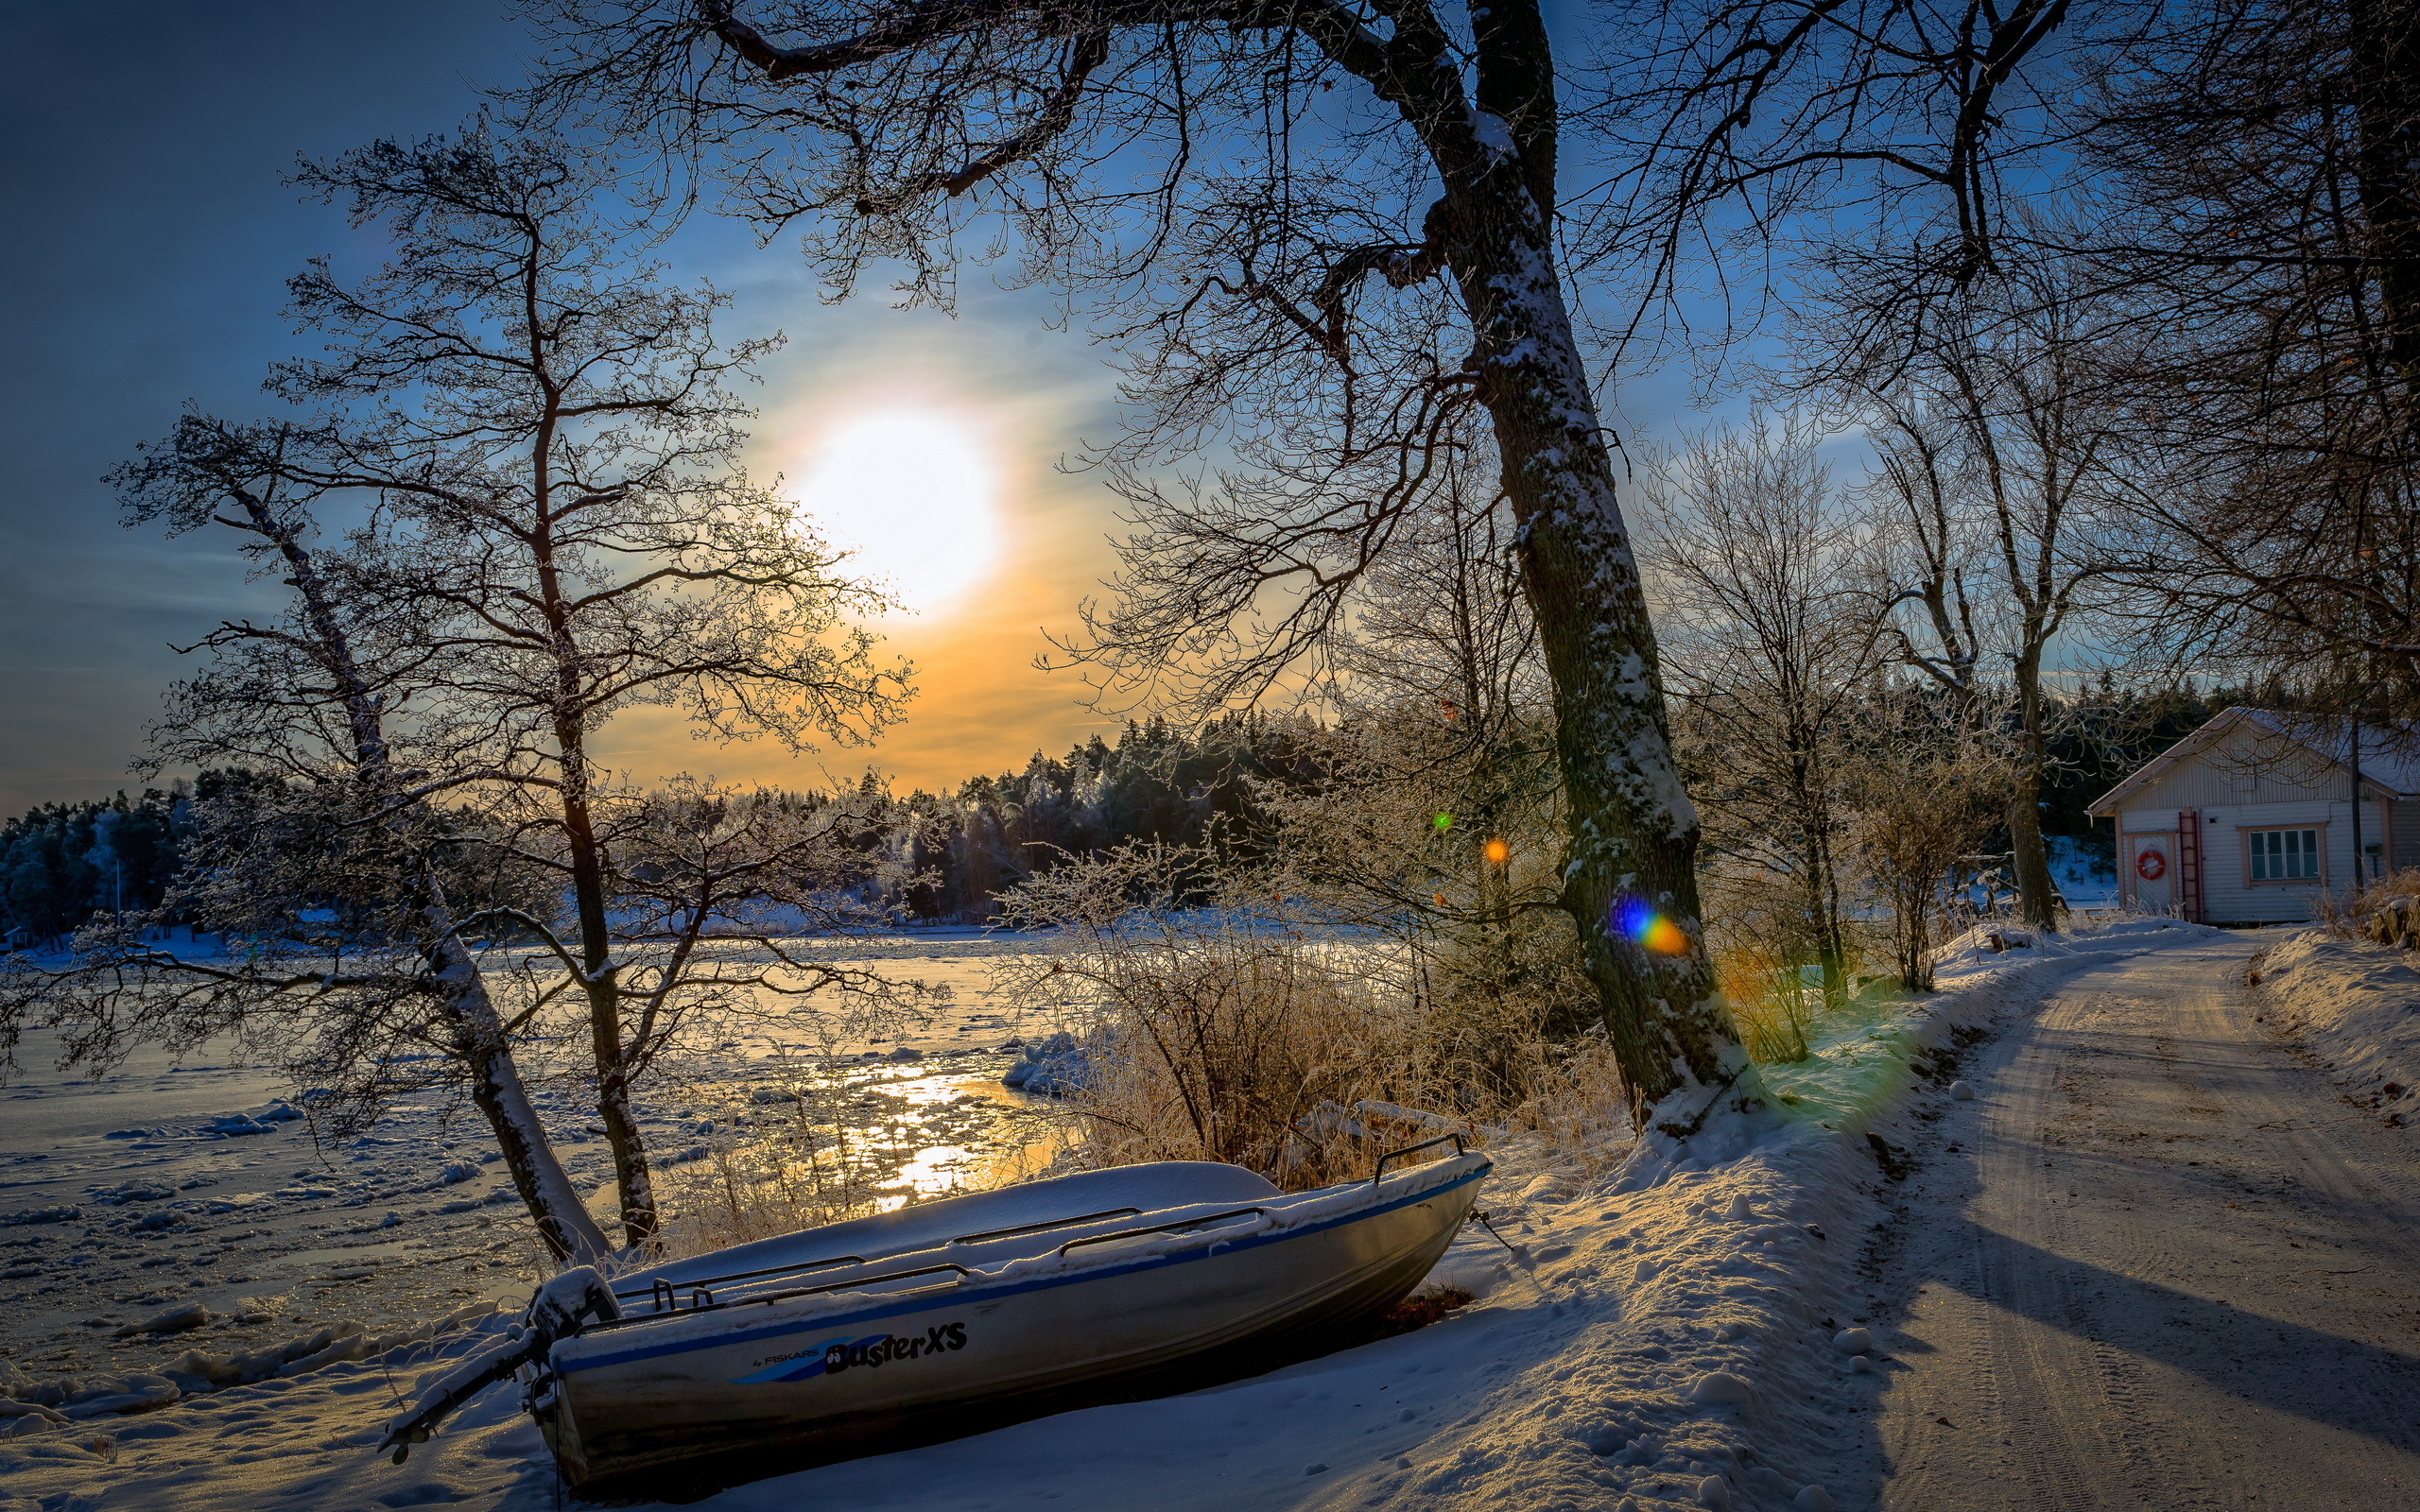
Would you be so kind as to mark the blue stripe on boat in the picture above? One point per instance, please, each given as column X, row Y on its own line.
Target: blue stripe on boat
column 927, row 1299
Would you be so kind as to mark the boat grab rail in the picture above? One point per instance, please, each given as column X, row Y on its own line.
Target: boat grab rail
column 698, row 1283
column 710, row 1305
column 856, row 1282
column 990, row 1235
column 1459, row 1148
column 1176, row 1227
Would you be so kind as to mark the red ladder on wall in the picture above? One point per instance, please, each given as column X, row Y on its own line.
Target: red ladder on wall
column 2188, row 864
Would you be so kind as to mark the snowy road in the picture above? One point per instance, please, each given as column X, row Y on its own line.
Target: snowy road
column 2158, row 1263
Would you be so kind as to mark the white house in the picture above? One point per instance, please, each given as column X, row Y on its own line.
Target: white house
column 2250, row 817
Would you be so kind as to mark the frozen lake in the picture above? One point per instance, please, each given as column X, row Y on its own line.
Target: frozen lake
column 278, row 1234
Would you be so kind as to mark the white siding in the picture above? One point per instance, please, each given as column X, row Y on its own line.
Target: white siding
column 2404, row 825
column 2251, row 779
column 2246, row 765
column 2229, row 896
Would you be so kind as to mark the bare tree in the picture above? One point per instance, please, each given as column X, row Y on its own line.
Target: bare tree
column 1998, row 415
column 1925, row 796
column 540, row 435
column 348, row 895
column 1758, row 571
column 1436, row 814
column 1917, row 499
column 1296, row 159
column 2260, row 177
column 1441, row 760
column 548, row 431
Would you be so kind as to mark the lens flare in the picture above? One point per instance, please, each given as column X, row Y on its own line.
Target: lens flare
column 1444, row 822
column 1496, row 852
column 1637, row 920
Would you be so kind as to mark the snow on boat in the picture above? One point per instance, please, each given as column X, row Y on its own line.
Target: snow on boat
column 1001, row 1301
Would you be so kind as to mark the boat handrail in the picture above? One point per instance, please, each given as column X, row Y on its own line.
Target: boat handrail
column 1037, row 1228
column 702, row 1300
column 858, row 1282
column 1459, row 1148
column 1159, row 1229
column 658, row 1284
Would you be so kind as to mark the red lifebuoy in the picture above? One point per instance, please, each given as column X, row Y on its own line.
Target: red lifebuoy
column 2150, row 866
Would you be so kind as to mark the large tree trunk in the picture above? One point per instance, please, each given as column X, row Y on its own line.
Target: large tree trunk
column 1630, row 881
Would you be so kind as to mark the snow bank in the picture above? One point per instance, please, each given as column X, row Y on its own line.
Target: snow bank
column 2354, row 1004
column 1053, row 1067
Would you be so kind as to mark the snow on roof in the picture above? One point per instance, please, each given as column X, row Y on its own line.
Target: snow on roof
column 2390, row 753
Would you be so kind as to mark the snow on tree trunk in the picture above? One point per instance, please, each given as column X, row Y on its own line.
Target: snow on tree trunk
column 1631, row 883
column 479, row 1036
column 571, row 1235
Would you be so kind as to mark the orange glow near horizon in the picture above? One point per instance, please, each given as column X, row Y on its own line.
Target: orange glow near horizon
column 950, row 493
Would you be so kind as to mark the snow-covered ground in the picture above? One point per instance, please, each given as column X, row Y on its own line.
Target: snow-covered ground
column 188, row 1192
column 1678, row 1331
column 2356, row 1006
column 2086, row 877
column 2159, row 1262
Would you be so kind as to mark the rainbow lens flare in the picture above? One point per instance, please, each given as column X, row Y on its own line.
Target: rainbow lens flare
column 1635, row 920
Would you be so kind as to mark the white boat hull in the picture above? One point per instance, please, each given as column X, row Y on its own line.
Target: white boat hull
column 988, row 1343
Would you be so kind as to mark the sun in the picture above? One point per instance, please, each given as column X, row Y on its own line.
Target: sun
column 911, row 495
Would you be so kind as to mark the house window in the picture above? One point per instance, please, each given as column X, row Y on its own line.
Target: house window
column 2284, row 855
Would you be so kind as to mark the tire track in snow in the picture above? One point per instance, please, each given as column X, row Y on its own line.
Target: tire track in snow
column 2129, row 1295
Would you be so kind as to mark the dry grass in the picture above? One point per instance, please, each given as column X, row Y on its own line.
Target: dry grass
column 1578, row 1108
column 1227, row 1045
column 1770, row 1000
column 1253, row 1049
column 742, row 1193
column 2386, row 911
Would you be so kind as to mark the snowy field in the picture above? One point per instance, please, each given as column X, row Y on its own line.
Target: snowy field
column 1681, row 1330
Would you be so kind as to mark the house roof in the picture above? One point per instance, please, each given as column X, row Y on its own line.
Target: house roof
column 2390, row 755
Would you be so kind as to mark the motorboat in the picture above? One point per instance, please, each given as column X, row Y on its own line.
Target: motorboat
column 973, row 1309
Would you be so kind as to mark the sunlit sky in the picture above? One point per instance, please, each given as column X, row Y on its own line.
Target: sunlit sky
column 151, row 241
column 909, row 490
column 930, row 449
